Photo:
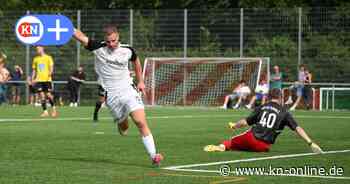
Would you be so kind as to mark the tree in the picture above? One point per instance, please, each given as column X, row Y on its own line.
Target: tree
column 281, row 49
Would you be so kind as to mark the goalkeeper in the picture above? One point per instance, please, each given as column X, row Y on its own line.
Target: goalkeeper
column 267, row 122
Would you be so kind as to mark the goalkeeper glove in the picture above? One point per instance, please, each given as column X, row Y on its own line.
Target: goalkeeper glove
column 232, row 125
column 315, row 148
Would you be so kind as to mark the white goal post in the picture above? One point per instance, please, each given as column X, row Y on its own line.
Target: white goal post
column 199, row 81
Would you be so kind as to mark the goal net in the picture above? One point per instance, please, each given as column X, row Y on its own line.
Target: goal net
column 199, row 81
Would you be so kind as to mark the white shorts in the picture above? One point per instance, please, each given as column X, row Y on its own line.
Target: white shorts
column 122, row 104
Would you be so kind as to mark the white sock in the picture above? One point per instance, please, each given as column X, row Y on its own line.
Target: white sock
column 149, row 145
column 222, row 146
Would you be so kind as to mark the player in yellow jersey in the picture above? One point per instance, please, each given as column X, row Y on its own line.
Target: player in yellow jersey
column 42, row 78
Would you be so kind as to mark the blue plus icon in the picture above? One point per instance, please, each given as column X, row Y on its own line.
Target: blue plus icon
column 57, row 29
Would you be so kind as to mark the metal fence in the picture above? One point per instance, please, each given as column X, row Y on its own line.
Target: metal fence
column 317, row 37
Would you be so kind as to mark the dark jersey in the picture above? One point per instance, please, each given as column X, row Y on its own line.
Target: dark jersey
column 16, row 75
column 269, row 120
column 72, row 83
column 78, row 75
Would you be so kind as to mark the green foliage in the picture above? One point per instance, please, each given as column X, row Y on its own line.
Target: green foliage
column 208, row 42
column 158, row 4
column 281, row 49
column 144, row 28
column 273, row 3
column 326, row 46
column 328, row 56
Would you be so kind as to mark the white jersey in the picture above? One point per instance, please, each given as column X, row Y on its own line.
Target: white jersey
column 244, row 90
column 113, row 74
column 111, row 66
column 262, row 88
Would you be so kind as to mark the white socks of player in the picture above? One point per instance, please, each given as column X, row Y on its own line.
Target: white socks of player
column 149, row 145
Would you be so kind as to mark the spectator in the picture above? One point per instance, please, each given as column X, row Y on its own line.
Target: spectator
column 276, row 78
column 241, row 92
column 4, row 77
column 261, row 92
column 307, row 93
column 74, row 81
column 16, row 76
column 299, row 87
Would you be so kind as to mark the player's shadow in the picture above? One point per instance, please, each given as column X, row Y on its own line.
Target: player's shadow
column 104, row 161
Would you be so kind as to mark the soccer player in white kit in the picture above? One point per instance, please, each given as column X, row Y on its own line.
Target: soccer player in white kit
column 111, row 65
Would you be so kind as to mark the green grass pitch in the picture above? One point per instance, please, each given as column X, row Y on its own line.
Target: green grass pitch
column 67, row 149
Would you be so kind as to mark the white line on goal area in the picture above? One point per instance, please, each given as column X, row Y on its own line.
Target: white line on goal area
column 185, row 168
column 159, row 117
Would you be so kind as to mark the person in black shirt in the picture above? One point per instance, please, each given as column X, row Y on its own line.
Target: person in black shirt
column 307, row 93
column 267, row 122
column 74, row 81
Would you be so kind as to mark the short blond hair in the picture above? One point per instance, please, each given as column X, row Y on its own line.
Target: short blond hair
column 110, row 29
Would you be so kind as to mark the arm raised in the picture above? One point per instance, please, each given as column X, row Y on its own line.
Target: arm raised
column 81, row 37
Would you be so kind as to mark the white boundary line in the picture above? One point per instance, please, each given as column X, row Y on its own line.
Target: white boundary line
column 255, row 159
column 160, row 117
column 305, row 176
column 185, row 167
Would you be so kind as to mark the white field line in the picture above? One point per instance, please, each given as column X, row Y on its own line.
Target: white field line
column 254, row 159
column 159, row 117
column 293, row 175
column 184, row 168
